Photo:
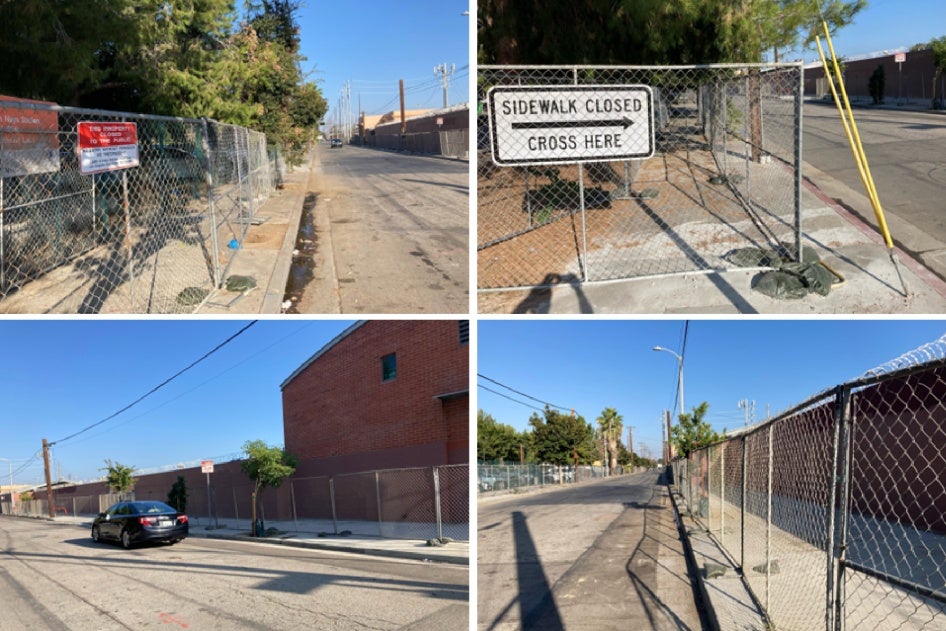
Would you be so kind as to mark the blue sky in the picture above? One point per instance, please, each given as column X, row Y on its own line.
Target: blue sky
column 375, row 43
column 884, row 25
column 593, row 364
column 59, row 376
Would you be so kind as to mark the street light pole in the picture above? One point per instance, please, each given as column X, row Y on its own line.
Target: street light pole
column 679, row 374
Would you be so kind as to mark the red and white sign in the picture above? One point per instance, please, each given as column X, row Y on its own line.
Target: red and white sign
column 900, row 57
column 107, row 146
column 29, row 137
column 206, row 466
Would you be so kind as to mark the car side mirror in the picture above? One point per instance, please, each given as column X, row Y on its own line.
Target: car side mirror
column 104, row 516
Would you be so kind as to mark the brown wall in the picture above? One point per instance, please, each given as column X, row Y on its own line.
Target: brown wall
column 915, row 81
column 454, row 119
column 339, row 414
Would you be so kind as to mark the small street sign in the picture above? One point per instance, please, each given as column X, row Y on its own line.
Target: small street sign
column 568, row 124
column 900, row 57
column 206, row 466
column 107, row 146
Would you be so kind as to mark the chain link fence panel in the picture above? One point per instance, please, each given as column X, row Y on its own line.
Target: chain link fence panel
column 724, row 176
column 834, row 511
column 154, row 238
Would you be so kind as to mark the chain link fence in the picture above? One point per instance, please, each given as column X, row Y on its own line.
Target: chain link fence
column 154, row 238
column 835, row 511
column 414, row 503
column 725, row 174
column 501, row 477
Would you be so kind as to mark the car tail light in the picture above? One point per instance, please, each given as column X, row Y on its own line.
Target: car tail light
column 182, row 519
column 147, row 521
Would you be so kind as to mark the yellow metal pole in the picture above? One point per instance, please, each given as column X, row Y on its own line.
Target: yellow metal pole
column 859, row 156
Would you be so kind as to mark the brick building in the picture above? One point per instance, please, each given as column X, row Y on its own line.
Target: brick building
column 383, row 394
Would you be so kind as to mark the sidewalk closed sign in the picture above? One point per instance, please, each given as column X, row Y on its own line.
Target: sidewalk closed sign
column 107, row 146
column 567, row 124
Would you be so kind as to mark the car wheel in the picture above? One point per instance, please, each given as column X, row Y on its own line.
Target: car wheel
column 126, row 539
column 96, row 537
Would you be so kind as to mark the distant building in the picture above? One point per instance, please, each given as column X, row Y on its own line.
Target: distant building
column 383, row 394
column 908, row 81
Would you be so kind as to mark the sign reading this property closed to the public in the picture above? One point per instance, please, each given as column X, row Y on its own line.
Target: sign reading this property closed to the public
column 581, row 123
column 107, row 146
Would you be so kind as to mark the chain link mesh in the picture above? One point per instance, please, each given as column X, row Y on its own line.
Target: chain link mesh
column 501, row 477
column 155, row 238
column 843, row 522
column 724, row 176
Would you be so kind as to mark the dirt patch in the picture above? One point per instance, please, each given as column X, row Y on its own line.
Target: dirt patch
column 264, row 236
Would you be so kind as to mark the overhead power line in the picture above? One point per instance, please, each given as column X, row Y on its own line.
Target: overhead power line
column 523, row 394
column 157, row 387
column 506, row 396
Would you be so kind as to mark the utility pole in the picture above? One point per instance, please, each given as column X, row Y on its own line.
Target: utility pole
column 403, row 118
column 445, row 73
column 669, row 443
column 49, row 481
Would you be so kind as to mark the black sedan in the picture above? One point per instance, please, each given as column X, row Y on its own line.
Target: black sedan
column 137, row 522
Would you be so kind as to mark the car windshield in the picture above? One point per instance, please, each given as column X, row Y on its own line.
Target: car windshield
column 140, row 508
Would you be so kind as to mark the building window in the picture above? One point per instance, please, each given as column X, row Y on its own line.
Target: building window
column 388, row 367
column 464, row 326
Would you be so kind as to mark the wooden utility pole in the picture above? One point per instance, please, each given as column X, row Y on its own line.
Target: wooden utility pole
column 403, row 117
column 669, row 442
column 49, row 481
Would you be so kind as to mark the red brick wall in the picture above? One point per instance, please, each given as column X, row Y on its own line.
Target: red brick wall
column 339, row 408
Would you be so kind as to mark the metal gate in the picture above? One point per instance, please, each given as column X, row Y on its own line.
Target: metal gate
column 725, row 175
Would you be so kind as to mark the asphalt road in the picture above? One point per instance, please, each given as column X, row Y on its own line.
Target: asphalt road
column 55, row 577
column 906, row 152
column 597, row 555
column 395, row 230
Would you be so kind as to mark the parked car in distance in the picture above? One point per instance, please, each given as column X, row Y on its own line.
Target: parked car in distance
column 336, row 142
column 137, row 522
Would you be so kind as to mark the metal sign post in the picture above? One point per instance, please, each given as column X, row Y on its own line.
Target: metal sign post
column 207, row 466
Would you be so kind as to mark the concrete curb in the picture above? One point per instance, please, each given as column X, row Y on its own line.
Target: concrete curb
column 276, row 286
column 693, row 562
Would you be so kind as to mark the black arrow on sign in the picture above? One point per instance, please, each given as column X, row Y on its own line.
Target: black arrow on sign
column 618, row 122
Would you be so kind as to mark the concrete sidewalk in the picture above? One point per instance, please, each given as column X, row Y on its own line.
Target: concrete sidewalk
column 267, row 250
column 455, row 552
column 850, row 247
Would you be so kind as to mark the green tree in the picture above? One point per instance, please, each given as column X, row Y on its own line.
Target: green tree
column 120, row 478
column 267, row 467
column 496, row 441
column 177, row 496
column 692, row 432
column 877, row 84
column 611, row 426
column 648, row 31
column 938, row 46
column 557, row 437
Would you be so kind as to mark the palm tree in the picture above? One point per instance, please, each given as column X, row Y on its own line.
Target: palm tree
column 611, row 425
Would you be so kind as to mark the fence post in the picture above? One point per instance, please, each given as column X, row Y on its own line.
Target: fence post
column 845, row 447
column 722, row 494
column 742, row 512
column 211, row 201
column 768, row 528
column 292, row 498
column 126, row 207
column 800, row 90
column 377, row 494
column 436, row 474
column 331, row 494
column 832, row 508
